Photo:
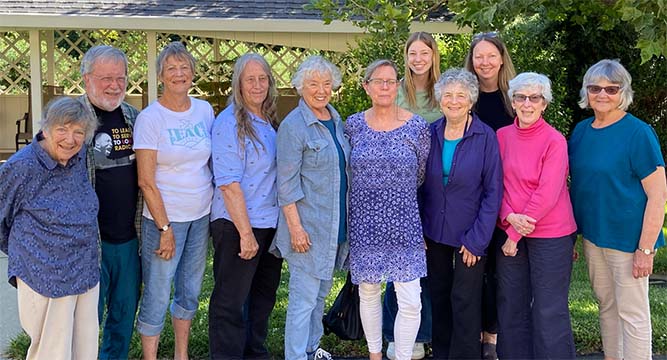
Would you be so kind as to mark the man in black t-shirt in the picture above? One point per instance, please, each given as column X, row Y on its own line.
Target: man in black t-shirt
column 113, row 172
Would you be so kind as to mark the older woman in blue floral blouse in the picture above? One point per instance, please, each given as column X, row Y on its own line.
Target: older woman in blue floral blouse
column 48, row 227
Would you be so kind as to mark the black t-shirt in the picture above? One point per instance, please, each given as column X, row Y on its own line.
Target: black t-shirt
column 115, row 177
column 491, row 110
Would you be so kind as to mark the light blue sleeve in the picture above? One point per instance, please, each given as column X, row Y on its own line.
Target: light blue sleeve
column 228, row 161
column 289, row 158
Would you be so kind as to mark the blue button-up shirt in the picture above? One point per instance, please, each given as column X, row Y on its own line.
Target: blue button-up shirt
column 254, row 168
column 48, row 222
column 463, row 212
column 309, row 176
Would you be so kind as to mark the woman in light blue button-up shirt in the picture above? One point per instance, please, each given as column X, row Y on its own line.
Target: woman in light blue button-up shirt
column 313, row 175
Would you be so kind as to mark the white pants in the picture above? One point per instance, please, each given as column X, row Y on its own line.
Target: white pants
column 407, row 318
column 59, row 328
column 625, row 313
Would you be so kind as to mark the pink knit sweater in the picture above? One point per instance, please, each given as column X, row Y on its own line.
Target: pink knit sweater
column 535, row 170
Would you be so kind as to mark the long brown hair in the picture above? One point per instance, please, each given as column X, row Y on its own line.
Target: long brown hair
column 506, row 72
column 244, row 128
column 434, row 73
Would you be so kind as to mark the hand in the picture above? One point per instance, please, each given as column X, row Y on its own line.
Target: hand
column 523, row 224
column 575, row 254
column 249, row 247
column 167, row 247
column 300, row 240
column 468, row 258
column 509, row 248
column 642, row 265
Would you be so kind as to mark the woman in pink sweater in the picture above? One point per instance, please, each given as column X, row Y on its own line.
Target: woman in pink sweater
column 535, row 262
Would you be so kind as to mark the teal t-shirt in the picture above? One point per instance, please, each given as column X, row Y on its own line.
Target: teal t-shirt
column 447, row 158
column 606, row 167
column 343, row 181
column 423, row 108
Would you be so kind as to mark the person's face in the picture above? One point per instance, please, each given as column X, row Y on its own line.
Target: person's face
column 176, row 75
column 455, row 102
column 486, row 61
column 420, row 58
column 254, row 85
column 64, row 141
column 106, row 84
column 528, row 103
column 382, row 86
column 603, row 102
column 316, row 91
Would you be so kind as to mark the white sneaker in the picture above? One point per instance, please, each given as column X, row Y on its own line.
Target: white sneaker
column 418, row 351
column 391, row 351
column 322, row 354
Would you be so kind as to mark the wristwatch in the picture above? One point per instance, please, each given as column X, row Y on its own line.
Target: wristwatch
column 164, row 228
column 646, row 251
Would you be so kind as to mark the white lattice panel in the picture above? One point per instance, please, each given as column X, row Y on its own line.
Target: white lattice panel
column 14, row 62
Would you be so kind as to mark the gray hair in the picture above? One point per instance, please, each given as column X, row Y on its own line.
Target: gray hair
column 99, row 53
column 64, row 110
column 244, row 126
column 459, row 76
column 528, row 79
column 612, row 71
column 370, row 69
column 177, row 50
column 315, row 65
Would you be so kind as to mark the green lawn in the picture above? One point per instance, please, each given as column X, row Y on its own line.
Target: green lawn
column 582, row 307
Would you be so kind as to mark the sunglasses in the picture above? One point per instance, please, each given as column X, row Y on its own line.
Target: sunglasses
column 520, row 98
column 610, row 90
column 485, row 35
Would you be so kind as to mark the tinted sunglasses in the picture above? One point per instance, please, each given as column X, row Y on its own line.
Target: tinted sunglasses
column 610, row 90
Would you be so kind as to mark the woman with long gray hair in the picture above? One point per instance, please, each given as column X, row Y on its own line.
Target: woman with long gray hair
column 244, row 214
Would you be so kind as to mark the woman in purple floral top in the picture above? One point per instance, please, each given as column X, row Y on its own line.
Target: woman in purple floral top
column 390, row 146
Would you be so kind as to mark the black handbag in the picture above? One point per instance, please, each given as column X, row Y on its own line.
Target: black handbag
column 343, row 317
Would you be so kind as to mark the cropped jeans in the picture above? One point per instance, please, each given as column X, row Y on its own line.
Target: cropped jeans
column 186, row 269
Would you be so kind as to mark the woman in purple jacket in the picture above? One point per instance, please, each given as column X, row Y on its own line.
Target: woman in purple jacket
column 459, row 204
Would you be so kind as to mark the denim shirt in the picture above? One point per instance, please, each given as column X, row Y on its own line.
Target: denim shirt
column 48, row 222
column 309, row 175
column 463, row 212
column 254, row 169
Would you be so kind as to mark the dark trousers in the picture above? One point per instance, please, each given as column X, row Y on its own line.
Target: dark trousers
column 533, row 314
column 243, row 295
column 489, row 308
column 456, row 295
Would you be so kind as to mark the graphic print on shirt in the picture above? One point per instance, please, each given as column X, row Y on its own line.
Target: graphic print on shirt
column 112, row 147
column 188, row 135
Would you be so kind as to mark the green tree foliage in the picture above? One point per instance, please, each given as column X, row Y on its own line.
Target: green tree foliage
column 647, row 18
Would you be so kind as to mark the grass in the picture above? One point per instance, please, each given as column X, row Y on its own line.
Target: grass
column 583, row 310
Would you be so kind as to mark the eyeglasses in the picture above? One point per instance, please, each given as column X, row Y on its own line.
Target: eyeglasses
column 610, row 90
column 380, row 82
column 107, row 80
column 520, row 98
column 485, row 35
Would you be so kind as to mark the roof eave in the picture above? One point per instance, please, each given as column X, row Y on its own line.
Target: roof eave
column 164, row 23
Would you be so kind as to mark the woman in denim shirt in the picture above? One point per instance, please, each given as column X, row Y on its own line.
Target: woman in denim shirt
column 312, row 189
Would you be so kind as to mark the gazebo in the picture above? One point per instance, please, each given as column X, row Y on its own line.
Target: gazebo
column 42, row 41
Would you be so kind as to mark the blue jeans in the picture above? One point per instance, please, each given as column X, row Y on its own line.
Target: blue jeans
column 303, row 325
column 120, row 280
column 390, row 308
column 186, row 269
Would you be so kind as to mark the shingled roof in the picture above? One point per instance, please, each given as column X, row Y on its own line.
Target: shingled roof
column 240, row 9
